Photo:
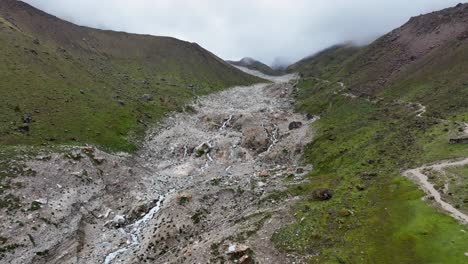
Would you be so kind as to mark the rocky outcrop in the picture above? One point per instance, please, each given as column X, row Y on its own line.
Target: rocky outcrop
column 462, row 140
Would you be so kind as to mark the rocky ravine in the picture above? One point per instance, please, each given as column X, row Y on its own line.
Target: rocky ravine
column 201, row 189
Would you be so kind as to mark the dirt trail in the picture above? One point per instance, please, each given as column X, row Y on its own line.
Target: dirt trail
column 417, row 174
column 422, row 179
column 204, row 181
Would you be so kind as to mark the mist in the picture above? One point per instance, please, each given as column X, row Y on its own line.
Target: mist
column 272, row 31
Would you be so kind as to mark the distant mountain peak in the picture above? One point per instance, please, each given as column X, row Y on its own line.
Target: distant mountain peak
column 254, row 64
column 248, row 60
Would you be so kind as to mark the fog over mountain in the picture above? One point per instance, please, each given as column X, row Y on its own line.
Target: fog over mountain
column 271, row 31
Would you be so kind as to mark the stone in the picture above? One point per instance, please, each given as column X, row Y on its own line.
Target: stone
column 360, row 187
column 244, row 259
column 367, row 175
column 75, row 155
column 236, row 249
column 88, row 150
column 203, row 149
column 459, row 140
column 80, row 173
column 263, row 173
column 147, row 97
column 24, row 128
column 42, row 201
column 322, row 194
column 255, row 139
column 295, row 125
column 118, row 220
column 27, row 119
column 99, row 160
column 121, row 102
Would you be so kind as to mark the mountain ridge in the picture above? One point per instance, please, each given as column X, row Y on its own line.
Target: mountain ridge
column 386, row 108
column 256, row 65
column 83, row 70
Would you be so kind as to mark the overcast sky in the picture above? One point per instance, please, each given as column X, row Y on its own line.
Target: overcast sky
column 262, row 29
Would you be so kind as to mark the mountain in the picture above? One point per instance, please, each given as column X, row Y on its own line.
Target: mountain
column 328, row 60
column 256, row 65
column 425, row 60
column 398, row 104
column 63, row 83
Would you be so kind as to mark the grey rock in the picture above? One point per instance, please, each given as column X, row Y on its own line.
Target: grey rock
column 295, row 125
column 147, row 97
column 24, row 128
column 27, row 119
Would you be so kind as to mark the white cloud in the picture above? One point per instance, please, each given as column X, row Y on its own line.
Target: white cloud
column 262, row 29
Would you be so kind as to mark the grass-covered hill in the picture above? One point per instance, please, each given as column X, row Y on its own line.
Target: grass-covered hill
column 369, row 132
column 256, row 65
column 425, row 60
column 63, row 83
column 323, row 62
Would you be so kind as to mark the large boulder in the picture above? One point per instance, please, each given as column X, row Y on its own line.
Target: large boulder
column 118, row 220
column 322, row 194
column 463, row 140
column 24, row 128
column 203, row 149
column 295, row 125
column 255, row 139
column 147, row 97
column 27, row 119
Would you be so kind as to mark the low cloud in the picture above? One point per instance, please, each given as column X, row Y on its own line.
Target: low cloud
column 268, row 30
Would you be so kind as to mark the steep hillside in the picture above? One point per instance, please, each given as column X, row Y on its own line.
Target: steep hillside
column 65, row 83
column 389, row 107
column 424, row 60
column 326, row 61
column 253, row 64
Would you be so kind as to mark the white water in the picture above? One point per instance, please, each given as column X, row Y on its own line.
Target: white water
column 135, row 231
column 225, row 124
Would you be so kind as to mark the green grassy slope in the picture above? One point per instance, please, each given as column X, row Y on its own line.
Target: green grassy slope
column 325, row 62
column 360, row 148
column 82, row 85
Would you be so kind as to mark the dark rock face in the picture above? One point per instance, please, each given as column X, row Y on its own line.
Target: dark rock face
column 27, row 119
column 367, row 175
column 459, row 140
column 24, row 128
column 295, row 125
column 322, row 194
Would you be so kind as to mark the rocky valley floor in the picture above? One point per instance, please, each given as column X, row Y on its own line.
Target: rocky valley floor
column 201, row 189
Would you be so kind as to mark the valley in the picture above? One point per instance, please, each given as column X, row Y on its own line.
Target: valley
column 205, row 180
column 128, row 148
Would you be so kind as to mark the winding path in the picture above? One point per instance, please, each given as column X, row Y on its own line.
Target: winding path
column 418, row 176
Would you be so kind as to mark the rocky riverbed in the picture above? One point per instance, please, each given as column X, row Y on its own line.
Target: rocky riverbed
column 205, row 186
